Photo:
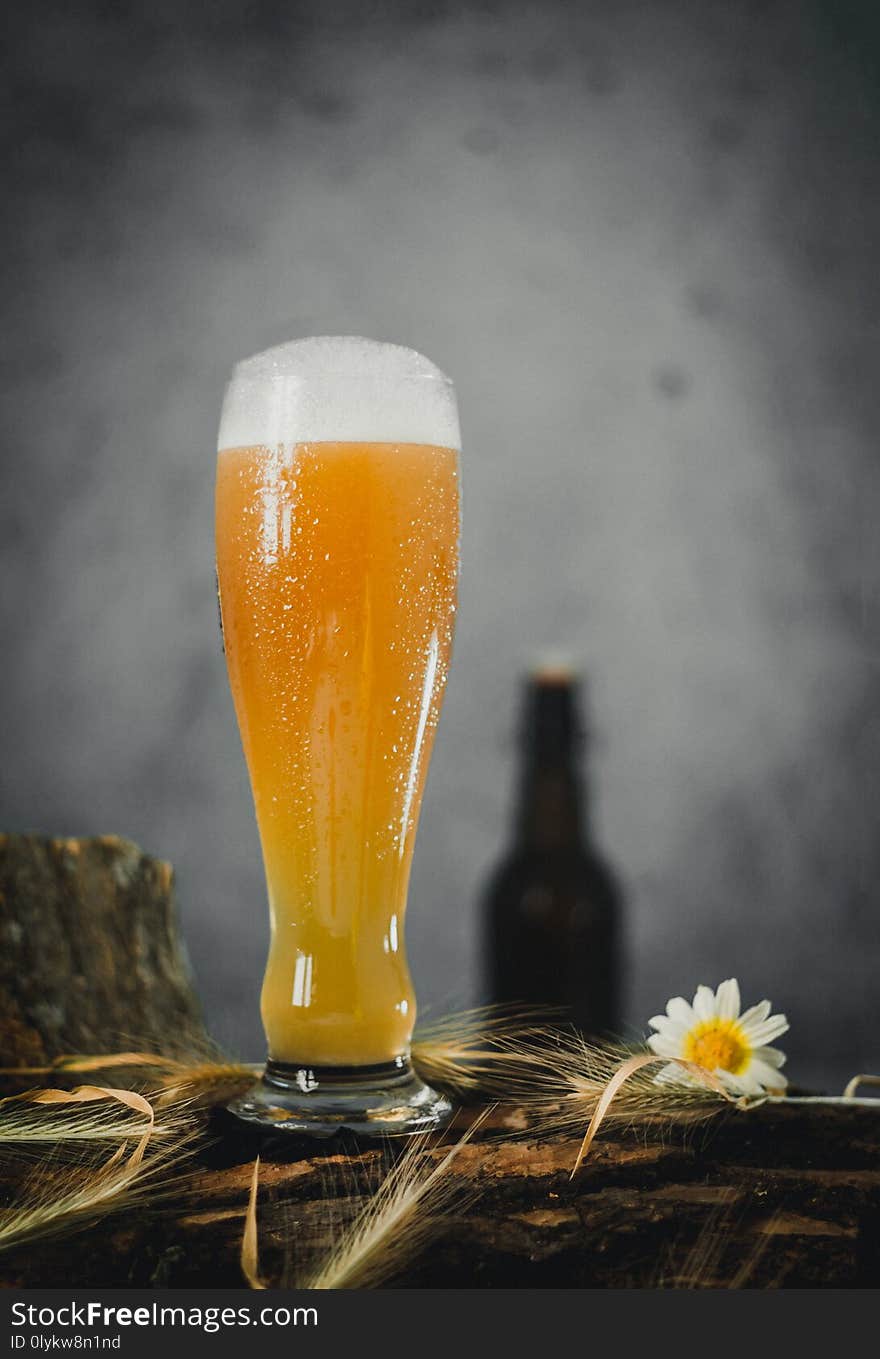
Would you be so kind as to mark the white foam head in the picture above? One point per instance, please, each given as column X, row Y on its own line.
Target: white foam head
column 338, row 387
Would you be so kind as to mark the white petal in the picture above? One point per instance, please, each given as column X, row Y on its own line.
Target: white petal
column 680, row 1012
column 727, row 1078
column 771, row 1028
column 772, row 1056
column 727, row 999
column 671, row 1029
column 704, row 1002
column 672, row 1075
column 663, row 1045
column 757, row 1014
column 744, row 1082
column 767, row 1076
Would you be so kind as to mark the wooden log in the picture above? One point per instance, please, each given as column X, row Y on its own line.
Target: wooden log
column 781, row 1196
column 90, row 960
column 90, row 956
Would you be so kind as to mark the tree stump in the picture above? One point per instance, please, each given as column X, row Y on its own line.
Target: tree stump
column 90, row 955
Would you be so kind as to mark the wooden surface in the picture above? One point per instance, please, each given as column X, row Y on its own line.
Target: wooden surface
column 90, row 960
column 90, row 956
column 780, row 1197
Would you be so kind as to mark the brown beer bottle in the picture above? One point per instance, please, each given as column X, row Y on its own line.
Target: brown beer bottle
column 552, row 909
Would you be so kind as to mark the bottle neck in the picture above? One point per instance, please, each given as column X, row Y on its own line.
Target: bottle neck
column 552, row 806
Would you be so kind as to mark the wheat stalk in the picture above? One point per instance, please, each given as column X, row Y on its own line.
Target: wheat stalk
column 173, row 1079
column 79, row 1195
column 37, row 1119
column 396, row 1222
column 562, row 1082
column 479, row 1052
column 701, row 1267
column 250, row 1245
column 554, row 1074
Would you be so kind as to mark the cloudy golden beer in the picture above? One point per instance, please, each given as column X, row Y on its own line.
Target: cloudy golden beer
column 337, row 561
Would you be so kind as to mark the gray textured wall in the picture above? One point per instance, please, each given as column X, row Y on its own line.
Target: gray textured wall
column 643, row 240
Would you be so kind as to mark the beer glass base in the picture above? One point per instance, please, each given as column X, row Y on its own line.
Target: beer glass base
column 373, row 1101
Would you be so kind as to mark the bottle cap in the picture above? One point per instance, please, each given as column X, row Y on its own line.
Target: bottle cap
column 553, row 700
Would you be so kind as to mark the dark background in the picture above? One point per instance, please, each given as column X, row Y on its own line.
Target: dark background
column 643, row 239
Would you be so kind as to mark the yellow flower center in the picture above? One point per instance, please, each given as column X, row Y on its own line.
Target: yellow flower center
column 718, row 1043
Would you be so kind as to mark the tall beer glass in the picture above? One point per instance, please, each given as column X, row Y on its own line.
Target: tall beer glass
column 337, row 560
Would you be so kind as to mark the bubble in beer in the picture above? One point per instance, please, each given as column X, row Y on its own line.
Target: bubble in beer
column 338, row 387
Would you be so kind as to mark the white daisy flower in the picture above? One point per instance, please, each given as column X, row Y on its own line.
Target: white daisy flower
column 712, row 1033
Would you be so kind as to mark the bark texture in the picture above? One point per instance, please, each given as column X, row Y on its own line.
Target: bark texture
column 90, row 955
column 782, row 1196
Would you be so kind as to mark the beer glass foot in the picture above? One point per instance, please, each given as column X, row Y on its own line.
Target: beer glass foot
column 372, row 1101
